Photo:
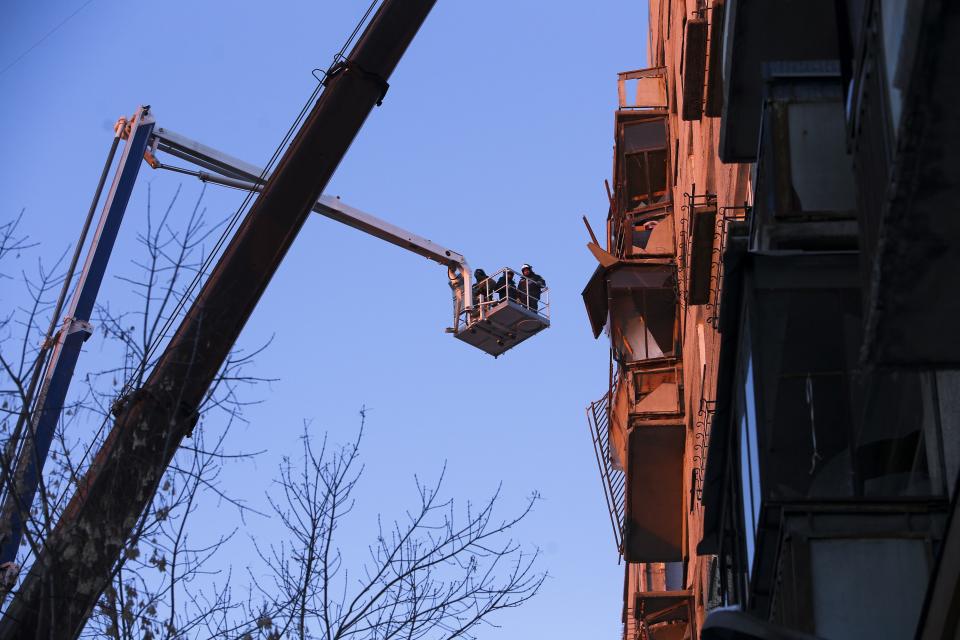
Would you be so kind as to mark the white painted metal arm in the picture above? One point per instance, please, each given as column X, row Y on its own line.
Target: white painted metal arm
column 237, row 173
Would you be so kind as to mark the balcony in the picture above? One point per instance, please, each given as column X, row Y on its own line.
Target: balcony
column 698, row 261
column 638, row 302
column 799, row 426
column 758, row 31
column 654, row 389
column 660, row 615
column 643, row 89
column 641, row 163
column 805, row 196
column 644, row 234
column 858, row 573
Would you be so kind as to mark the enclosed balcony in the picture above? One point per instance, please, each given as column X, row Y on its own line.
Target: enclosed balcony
column 661, row 615
column 759, row 31
column 805, row 196
column 801, row 428
column 858, row 573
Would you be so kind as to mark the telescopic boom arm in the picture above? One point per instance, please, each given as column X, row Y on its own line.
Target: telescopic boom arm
column 233, row 172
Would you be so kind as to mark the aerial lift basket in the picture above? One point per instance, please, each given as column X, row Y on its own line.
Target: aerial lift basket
column 504, row 311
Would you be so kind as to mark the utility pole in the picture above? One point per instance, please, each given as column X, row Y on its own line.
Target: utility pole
column 76, row 565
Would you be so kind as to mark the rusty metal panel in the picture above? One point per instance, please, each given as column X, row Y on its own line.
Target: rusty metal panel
column 654, row 508
column 703, row 225
column 714, row 100
column 595, row 300
column 694, row 69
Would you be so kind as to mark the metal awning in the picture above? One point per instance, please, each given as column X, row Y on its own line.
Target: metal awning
column 595, row 299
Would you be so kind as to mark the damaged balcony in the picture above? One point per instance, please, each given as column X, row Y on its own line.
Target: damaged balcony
column 661, row 615
column 640, row 223
column 644, row 234
column 637, row 302
column 656, row 606
column 641, row 162
column 644, row 89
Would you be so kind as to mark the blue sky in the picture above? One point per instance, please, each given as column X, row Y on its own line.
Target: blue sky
column 494, row 139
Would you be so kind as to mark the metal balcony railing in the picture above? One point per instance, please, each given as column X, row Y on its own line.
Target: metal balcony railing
column 727, row 215
column 612, row 479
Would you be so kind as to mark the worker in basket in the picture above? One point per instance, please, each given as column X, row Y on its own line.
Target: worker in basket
column 506, row 287
column 482, row 288
column 530, row 287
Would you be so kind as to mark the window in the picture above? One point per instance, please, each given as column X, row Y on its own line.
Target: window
column 749, row 463
column 806, row 343
column 643, row 154
column 894, row 18
column 878, row 593
column 897, row 446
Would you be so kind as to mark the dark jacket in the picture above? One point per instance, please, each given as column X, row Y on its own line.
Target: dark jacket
column 532, row 286
column 483, row 286
column 505, row 284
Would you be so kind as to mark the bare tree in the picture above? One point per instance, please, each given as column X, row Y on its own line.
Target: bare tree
column 152, row 594
column 439, row 572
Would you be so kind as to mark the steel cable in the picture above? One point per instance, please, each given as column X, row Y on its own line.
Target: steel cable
column 151, row 348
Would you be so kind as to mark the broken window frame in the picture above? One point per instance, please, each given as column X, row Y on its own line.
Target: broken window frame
column 652, row 198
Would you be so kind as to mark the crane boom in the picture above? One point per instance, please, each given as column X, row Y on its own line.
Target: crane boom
column 77, row 560
column 234, row 172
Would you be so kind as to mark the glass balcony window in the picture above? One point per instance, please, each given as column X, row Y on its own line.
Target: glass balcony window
column 804, row 169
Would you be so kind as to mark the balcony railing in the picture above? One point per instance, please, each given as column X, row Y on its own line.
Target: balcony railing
column 727, row 217
column 612, row 479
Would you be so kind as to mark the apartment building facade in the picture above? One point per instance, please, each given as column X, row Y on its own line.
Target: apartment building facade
column 779, row 437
